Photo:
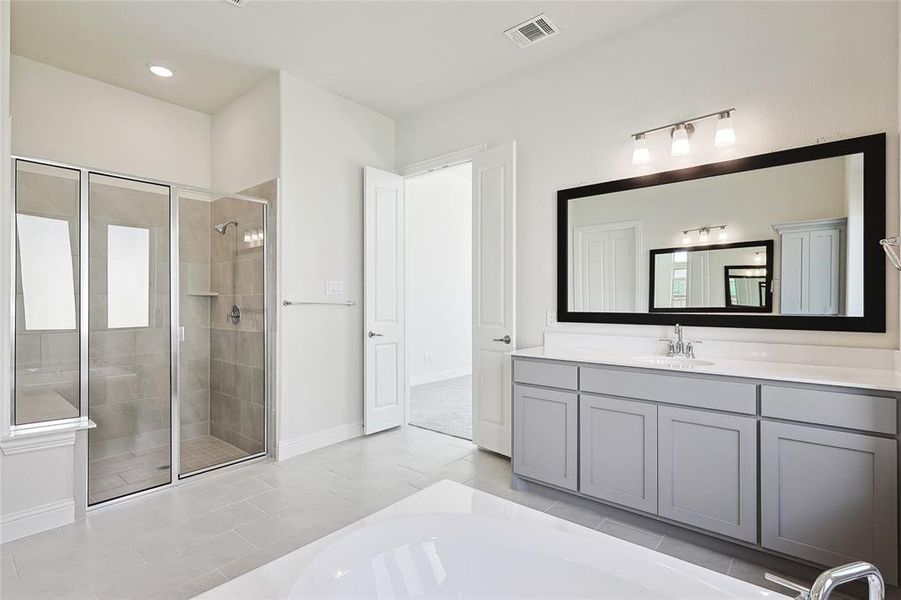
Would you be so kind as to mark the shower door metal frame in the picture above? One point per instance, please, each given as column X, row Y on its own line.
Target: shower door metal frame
column 83, row 420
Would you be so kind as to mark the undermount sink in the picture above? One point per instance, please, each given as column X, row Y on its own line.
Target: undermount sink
column 673, row 362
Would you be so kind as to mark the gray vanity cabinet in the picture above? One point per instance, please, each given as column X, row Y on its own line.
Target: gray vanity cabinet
column 545, row 435
column 829, row 496
column 708, row 471
column 618, row 451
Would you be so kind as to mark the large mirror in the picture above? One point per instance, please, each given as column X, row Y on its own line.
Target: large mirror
column 786, row 240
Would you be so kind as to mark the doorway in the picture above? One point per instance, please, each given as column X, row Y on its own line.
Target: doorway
column 438, row 247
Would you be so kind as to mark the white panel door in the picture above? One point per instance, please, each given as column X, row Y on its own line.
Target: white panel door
column 383, row 302
column 795, row 273
column 605, row 266
column 493, row 295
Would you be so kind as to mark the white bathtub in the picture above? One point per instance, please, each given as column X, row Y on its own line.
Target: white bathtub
column 451, row 541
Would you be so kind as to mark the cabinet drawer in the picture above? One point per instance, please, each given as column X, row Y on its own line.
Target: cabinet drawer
column 546, row 373
column 688, row 391
column 839, row 409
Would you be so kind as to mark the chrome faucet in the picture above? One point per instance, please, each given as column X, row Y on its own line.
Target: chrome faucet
column 678, row 347
column 830, row 579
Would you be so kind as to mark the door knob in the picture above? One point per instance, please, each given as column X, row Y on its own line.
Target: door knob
column 505, row 339
column 373, row 334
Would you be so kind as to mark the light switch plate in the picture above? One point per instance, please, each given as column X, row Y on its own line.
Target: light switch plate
column 334, row 288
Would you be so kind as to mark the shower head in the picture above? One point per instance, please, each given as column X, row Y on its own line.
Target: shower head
column 221, row 228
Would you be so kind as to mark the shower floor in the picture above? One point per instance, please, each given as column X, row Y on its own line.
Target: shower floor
column 125, row 474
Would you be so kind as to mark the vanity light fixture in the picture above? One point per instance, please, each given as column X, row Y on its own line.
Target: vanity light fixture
column 758, row 258
column 704, row 235
column 723, row 236
column 161, row 71
column 685, row 238
column 640, row 152
column 681, row 131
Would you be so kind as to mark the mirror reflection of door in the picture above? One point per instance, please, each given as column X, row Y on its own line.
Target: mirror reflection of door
column 605, row 266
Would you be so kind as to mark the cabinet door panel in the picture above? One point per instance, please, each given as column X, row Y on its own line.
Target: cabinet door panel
column 708, row 471
column 545, row 435
column 829, row 496
column 618, row 451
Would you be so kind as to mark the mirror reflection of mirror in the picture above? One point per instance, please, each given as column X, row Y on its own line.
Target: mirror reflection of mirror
column 661, row 249
column 704, row 278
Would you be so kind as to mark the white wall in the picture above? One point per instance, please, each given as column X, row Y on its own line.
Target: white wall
column 245, row 138
column 796, row 72
column 326, row 142
column 439, row 274
column 62, row 116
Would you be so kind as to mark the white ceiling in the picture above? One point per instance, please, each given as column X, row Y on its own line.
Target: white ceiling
column 393, row 56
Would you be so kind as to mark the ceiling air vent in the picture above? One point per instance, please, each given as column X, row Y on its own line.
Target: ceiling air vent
column 532, row 31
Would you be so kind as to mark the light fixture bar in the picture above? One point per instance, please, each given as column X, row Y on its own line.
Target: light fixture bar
column 684, row 122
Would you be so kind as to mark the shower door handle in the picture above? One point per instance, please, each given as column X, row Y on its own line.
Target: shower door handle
column 373, row 334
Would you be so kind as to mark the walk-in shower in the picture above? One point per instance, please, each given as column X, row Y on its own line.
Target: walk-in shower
column 126, row 291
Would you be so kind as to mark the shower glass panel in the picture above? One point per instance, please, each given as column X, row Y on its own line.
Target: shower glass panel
column 222, row 318
column 47, row 346
column 129, row 337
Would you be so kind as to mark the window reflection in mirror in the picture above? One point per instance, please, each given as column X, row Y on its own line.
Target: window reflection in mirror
column 47, row 293
column 128, row 276
column 811, row 213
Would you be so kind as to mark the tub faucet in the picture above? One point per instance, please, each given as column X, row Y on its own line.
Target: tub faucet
column 830, row 579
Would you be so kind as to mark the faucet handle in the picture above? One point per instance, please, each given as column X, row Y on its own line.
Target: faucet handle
column 803, row 592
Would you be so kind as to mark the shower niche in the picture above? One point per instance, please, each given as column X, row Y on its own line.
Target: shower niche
column 142, row 307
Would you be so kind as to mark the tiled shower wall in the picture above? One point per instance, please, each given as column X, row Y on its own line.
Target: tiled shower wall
column 236, row 349
column 194, row 305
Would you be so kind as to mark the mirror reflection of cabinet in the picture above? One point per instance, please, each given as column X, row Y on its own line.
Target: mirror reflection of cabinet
column 812, row 257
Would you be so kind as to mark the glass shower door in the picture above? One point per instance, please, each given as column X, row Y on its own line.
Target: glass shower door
column 222, row 416
column 129, row 382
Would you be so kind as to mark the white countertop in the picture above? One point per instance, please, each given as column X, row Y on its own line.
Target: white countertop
column 871, row 379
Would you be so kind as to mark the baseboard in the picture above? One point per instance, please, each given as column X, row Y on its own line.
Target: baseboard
column 439, row 376
column 35, row 520
column 318, row 439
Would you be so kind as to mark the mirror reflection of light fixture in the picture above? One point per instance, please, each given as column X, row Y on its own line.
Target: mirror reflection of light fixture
column 757, row 257
column 680, row 145
column 681, row 131
column 640, row 152
column 704, row 233
column 725, row 131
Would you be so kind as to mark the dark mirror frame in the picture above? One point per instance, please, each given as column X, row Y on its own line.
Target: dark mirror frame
column 764, row 289
column 874, row 270
column 767, row 307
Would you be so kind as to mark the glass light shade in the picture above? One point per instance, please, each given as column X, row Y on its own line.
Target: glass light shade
column 723, row 235
column 685, row 238
column 725, row 131
column 703, row 236
column 640, row 152
column 758, row 258
column 680, row 146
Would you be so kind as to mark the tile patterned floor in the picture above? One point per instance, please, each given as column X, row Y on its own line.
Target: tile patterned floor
column 124, row 474
column 443, row 406
column 182, row 541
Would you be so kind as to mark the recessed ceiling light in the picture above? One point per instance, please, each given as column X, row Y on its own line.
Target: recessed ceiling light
column 161, row 71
